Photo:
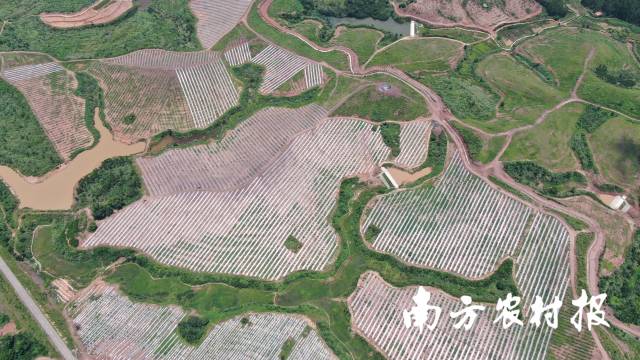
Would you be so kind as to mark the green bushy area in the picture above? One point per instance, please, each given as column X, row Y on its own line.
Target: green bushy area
column 480, row 149
column 192, row 329
column 390, row 133
column 625, row 10
column 623, row 286
column 91, row 92
column 21, row 346
column 112, row 186
column 164, row 24
column 377, row 9
column 24, row 146
column 544, row 181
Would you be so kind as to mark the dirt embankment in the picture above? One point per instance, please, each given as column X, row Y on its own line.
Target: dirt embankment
column 486, row 16
column 102, row 12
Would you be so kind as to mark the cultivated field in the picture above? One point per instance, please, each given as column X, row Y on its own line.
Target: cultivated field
column 110, row 326
column 216, row 18
column 243, row 154
column 472, row 14
column 238, row 54
column 414, row 144
column 50, row 89
column 102, row 12
column 164, row 90
column 282, row 65
column 244, row 231
column 462, row 225
column 377, row 314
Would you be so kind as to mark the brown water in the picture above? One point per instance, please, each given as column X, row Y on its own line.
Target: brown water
column 54, row 191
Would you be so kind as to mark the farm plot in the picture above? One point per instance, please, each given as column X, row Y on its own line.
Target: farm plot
column 377, row 314
column 102, row 12
column 233, row 162
column 462, row 225
column 216, row 18
column 163, row 90
column 49, row 89
column 282, row 65
column 239, row 54
column 244, row 231
column 414, row 144
column 484, row 15
column 110, row 326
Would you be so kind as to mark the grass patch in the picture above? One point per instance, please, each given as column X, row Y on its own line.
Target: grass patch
column 510, row 189
column 172, row 22
column 418, row 55
column 390, row 133
column 112, row 186
column 480, row 149
column 293, row 244
column 287, row 348
column 370, row 103
column 550, row 143
column 616, row 149
column 363, row 41
column 24, row 146
column 583, row 242
column 464, row 35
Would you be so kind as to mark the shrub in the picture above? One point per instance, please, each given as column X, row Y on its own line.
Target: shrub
column 22, row 346
column 129, row 119
column 192, row 329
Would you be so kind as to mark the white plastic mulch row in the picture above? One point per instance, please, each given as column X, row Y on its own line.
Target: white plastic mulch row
column 239, row 54
column 209, row 91
column 243, row 232
column 281, row 65
column 462, row 225
column 163, row 59
column 27, row 72
column 414, row 144
column 377, row 314
column 58, row 110
column 110, row 326
column 234, row 161
column 313, row 75
column 216, row 18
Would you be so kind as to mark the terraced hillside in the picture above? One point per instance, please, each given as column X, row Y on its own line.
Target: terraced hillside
column 216, row 18
column 282, row 65
column 50, row 89
column 163, row 90
column 244, row 231
column 110, row 326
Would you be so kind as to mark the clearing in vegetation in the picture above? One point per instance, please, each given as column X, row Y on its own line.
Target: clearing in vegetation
column 173, row 24
column 252, row 222
column 50, row 91
column 420, row 55
column 163, row 90
column 103, row 12
column 548, row 144
column 483, row 15
column 109, row 324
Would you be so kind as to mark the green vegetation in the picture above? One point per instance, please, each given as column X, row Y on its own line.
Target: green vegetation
column 536, row 67
column 287, row 348
column 555, row 8
column 240, row 32
column 567, row 343
column 293, row 244
column 192, row 329
column 416, row 56
column 610, row 188
column 524, row 99
column 371, row 233
column 90, row 91
column 362, row 41
column 172, row 22
column 22, row 346
column 625, row 10
column 4, row 319
column 334, row 58
column 592, row 118
column 437, row 156
column 616, row 148
column 129, row 119
column 400, row 104
column 618, row 344
column 23, row 144
column 377, row 9
column 620, row 77
column 480, row 149
column 622, row 286
column 549, row 143
column 390, row 133
column 576, row 224
column 460, row 34
column 8, row 205
column 510, row 188
column 583, row 242
column 112, row 186
column 544, row 181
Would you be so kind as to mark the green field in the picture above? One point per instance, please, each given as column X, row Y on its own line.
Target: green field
column 419, row 55
column 362, row 41
column 481, row 148
column 616, row 149
column 548, row 144
column 464, row 35
column 24, row 146
column 164, row 24
column 526, row 96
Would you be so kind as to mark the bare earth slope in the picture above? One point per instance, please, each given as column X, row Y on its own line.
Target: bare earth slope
column 94, row 15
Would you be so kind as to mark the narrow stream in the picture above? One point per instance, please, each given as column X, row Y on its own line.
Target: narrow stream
column 55, row 190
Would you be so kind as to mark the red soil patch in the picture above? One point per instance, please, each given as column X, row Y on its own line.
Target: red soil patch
column 8, row 329
column 89, row 16
column 484, row 15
